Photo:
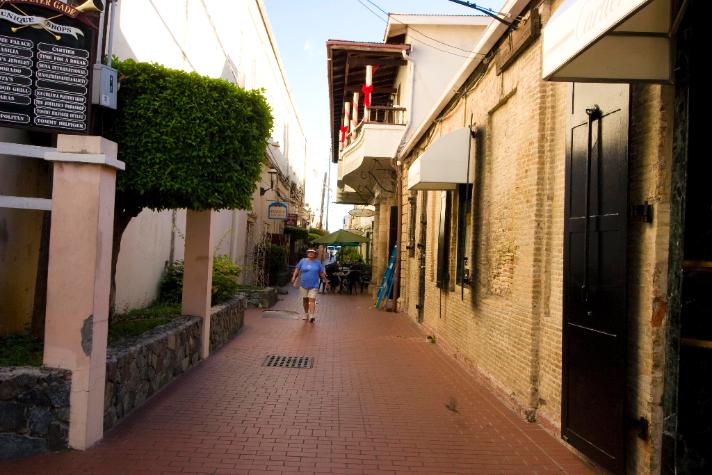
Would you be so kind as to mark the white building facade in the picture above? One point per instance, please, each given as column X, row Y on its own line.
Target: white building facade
column 233, row 41
column 219, row 39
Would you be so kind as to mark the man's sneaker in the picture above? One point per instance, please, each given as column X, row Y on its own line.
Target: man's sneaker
column 312, row 319
column 305, row 316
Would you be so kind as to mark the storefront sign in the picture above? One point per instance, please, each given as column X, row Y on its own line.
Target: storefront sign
column 47, row 50
column 291, row 219
column 616, row 40
column 277, row 210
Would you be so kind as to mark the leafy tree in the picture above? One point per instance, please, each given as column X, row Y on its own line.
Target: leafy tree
column 188, row 141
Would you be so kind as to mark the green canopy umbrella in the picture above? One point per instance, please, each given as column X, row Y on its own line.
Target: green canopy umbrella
column 341, row 237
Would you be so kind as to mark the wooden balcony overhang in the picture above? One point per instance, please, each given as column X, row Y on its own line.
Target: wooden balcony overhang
column 346, row 67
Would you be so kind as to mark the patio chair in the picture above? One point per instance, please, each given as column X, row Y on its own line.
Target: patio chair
column 353, row 281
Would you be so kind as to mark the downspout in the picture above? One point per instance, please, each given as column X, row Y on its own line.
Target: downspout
column 399, row 186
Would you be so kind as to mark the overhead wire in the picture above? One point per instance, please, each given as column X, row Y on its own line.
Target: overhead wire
column 170, row 32
column 462, row 91
column 418, row 31
column 423, row 42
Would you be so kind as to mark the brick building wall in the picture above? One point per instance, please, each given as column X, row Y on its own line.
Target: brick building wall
column 507, row 328
column 649, row 180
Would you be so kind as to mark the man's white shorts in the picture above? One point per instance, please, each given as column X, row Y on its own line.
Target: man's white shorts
column 308, row 293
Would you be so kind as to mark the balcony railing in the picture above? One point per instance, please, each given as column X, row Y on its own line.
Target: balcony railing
column 377, row 115
column 387, row 115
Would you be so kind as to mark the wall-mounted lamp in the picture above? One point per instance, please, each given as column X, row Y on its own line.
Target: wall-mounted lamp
column 272, row 173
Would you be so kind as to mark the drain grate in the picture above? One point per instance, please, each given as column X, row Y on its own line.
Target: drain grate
column 278, row 361
column 281, row 314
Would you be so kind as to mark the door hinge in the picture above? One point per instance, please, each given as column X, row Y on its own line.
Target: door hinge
column 640, row 425
column 642, row 212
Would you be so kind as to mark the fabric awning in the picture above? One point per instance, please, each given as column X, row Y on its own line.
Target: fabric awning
column 604, row 40
column 444, row 163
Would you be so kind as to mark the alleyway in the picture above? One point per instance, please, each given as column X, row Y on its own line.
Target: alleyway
column 379, row 399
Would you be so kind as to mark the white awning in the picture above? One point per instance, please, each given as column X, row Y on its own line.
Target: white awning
column 444, row 163
column 606, row 40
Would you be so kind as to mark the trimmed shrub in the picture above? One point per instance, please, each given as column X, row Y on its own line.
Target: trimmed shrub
column 189, row 141
column 224, row 288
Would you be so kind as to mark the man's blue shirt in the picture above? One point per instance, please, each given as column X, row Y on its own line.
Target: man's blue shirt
column 309, row 273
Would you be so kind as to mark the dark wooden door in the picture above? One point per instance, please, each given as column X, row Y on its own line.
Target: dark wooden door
column 594, row 331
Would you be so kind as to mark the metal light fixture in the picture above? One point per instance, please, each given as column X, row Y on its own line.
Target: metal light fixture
column 272, row 173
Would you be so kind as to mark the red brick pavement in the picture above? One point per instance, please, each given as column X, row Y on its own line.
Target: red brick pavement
column 374, row 402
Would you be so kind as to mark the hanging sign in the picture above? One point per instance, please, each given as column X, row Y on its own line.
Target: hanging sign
column 277, row 210
column 47, row 51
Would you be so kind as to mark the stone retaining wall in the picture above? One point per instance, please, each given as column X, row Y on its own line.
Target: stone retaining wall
column 34, row 410
column 137, row 368
column 225, row 321
column 259, row 298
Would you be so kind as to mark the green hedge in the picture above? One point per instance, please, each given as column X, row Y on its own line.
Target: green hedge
column 189, row 141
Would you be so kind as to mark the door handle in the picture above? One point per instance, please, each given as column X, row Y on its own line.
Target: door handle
column 593, row 113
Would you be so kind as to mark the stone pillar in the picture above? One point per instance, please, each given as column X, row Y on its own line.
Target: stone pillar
column 79, row 275
column 198, row 271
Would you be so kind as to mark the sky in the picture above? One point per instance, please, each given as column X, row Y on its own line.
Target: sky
column 301, row 29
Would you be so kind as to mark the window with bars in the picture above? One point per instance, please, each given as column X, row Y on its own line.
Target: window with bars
column 443, row 273
column 464, row 214
column 413, row 211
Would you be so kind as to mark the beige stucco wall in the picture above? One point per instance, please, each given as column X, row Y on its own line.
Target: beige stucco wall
column 145, row 251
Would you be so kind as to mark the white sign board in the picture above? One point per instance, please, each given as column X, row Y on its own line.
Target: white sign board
column 615, row 40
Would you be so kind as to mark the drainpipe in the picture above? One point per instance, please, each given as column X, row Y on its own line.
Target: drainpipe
column 399, row 203
column 398, row 165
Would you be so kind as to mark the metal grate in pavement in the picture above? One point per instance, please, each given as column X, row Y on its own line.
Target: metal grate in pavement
column 278, row 361
column 282, row 314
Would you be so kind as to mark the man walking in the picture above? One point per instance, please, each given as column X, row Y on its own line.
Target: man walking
column 309, row 270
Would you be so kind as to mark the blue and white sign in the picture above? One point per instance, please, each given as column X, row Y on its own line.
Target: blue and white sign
column 277, row 210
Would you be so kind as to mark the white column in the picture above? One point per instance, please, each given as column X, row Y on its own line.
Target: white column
column 354, row 120
column 347, row 119
column 369, row 83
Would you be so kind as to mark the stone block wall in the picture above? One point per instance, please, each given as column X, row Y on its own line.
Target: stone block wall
column 226, row 320
column 138, row 368
column 34, row 410
column 259, row 298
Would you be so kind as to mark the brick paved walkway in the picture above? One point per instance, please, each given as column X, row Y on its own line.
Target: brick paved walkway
column 374, row 402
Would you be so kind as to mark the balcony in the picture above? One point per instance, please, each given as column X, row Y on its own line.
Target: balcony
column 365, row 161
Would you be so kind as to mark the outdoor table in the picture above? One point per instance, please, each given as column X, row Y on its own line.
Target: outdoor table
column 342, row 275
